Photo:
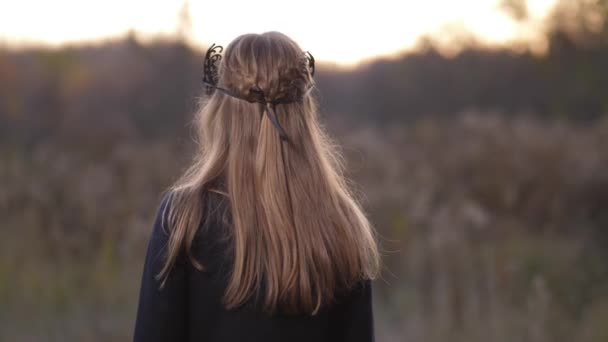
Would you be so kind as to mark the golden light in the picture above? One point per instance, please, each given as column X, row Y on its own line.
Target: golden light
column 344, row 32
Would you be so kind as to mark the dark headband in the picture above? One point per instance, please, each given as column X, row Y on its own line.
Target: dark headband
column 211, row 78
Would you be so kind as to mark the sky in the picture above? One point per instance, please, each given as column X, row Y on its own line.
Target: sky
column 344, row 32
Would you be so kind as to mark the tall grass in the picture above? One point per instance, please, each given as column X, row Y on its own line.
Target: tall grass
column 493, row 229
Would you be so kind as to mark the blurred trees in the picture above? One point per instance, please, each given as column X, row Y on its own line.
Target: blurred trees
column 124, row 88
column 117, row 90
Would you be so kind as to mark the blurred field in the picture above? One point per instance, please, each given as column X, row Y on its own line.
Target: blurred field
column 485, row 174
column 493, row 229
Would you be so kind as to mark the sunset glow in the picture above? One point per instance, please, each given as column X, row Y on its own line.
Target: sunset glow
column 344, row 32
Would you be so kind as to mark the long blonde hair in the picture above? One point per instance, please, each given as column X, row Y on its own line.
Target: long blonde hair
column 299, row 235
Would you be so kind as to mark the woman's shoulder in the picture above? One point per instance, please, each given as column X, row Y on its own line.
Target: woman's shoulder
column 213, row 201
column 211, row 204
column 161, row 227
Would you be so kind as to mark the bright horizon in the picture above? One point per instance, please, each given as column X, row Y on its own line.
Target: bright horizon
column 343, row 32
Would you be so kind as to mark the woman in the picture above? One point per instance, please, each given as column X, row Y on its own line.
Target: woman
column 260, row 240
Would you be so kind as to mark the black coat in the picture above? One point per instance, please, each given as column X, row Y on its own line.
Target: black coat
column 189, row 307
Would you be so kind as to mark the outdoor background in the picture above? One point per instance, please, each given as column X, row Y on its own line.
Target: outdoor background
column 483, row 165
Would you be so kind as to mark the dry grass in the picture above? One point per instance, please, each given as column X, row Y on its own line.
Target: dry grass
column 494, row 229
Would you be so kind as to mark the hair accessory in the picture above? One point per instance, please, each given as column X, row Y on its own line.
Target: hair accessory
column 311, row 62
column 211, row 78
column 211, row 75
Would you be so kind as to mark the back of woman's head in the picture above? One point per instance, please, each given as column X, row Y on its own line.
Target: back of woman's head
column 299, row 235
